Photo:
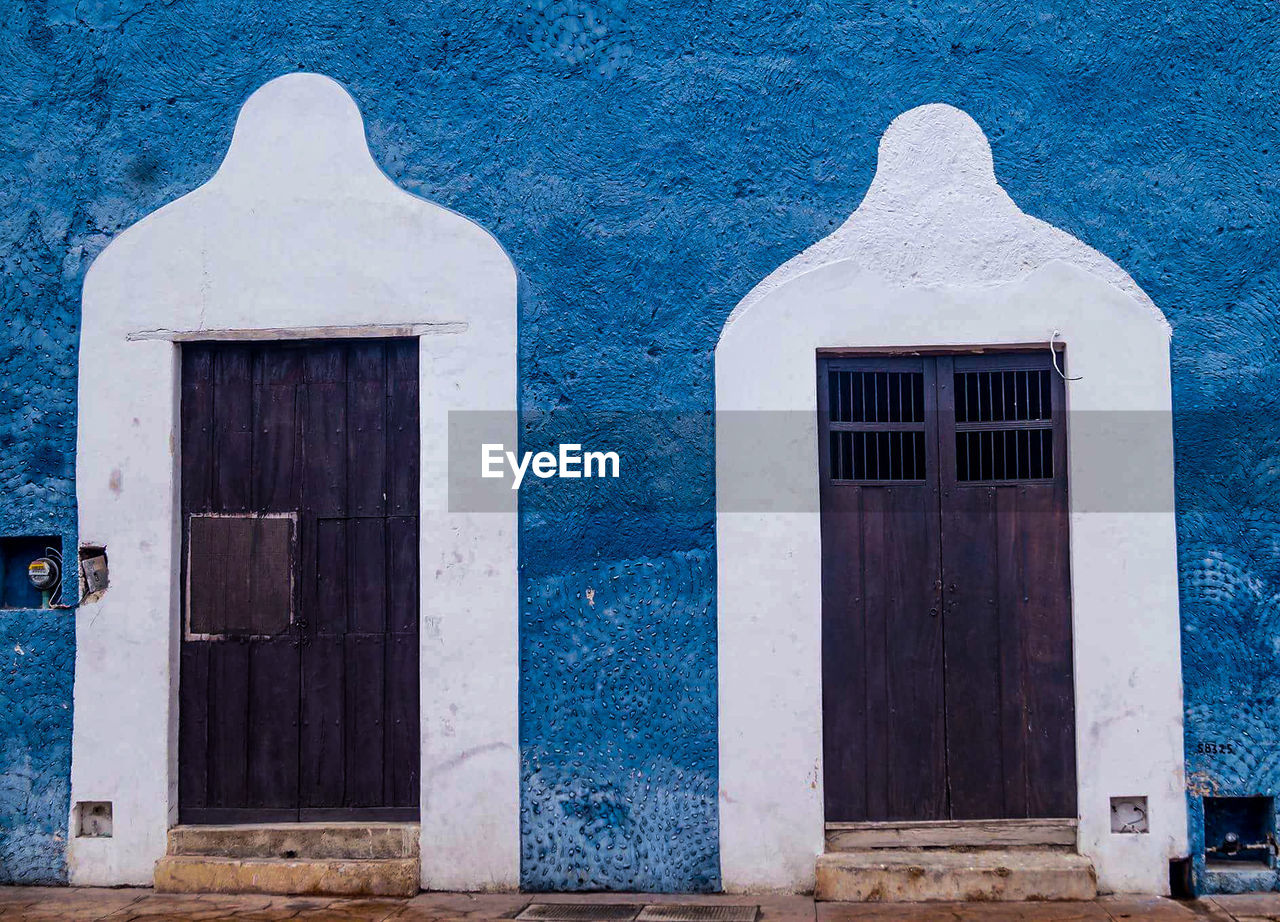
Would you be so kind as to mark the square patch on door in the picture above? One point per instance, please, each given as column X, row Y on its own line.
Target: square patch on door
column 240, row 575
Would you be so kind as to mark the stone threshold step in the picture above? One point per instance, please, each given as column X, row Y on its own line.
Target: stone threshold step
column 923, row 875
column 1014, row 833
column 299, row 877
column 297, row 840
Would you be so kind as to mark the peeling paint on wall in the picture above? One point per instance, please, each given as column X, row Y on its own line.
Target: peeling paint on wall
column 640, row 204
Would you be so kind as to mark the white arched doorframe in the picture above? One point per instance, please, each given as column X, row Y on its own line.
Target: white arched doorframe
column 299, row 235
column 938, row 256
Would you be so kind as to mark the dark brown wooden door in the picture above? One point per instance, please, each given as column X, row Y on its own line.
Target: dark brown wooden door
column 299, row 656
column 947, row 662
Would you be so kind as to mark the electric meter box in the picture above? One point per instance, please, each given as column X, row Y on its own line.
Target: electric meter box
column 17, row 578
column 43, row 573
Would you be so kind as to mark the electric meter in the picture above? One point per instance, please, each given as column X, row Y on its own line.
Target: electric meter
column 43, row 573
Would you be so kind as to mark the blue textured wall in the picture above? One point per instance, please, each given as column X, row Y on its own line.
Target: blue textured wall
column 645, row 163
column 41, row 261
column 39, row 301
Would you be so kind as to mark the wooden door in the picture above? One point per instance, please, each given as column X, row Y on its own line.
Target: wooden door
column 882, row 653
column 947, row 663
column 298, row 691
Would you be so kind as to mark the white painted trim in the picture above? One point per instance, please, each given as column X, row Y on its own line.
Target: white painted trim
column 298, row 234
column 938, row 255
column 366, row 331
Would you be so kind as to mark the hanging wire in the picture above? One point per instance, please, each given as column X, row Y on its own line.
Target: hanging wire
column 1053, row 354
column 55, row 597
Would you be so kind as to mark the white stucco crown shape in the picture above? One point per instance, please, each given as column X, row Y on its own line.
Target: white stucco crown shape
column 299, row 227
column 305, row 132
column 936, row 216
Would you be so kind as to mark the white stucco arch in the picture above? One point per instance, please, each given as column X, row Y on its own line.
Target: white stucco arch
column 298, row 235
column 938, row 255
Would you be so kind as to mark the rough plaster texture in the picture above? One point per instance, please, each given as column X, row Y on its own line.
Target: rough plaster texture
column 298, row 230
column 934, row 215
column 36, row 664
column 927, row 280
column 644, row 177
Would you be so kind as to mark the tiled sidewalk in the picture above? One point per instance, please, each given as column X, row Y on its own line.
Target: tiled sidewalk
column 38, row 904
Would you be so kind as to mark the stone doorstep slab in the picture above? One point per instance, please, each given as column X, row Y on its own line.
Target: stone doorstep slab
column 1013, row 833
column 297, row 840
column 919, row 875
column 301, row 877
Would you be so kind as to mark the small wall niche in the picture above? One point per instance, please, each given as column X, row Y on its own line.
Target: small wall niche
column 93, row 819
column 1129, row 815
column 1239, row 833
column 16, row 555
column 93, row 571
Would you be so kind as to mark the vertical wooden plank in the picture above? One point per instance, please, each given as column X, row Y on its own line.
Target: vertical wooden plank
column 914, row 633
column 914, row 655
column 402, row 574
column 270, row 571
column 402, row 427
column 364, row 719
column 193, row 726
column 329, row 615
column 973, row 642
column 232, row 429
column 196, row 424
column 970, row 618
column 367, row 549
column 324, row 462
column 844, row 653
column 272, row 772
column 403, row 726
column 402, row 361
column 322, row 747
column 366, row 429
column 206, row 565
column 236, row 576
column 877, row 601
column 1011, row 636
column 1049, row 688
column 196, row 427
column 228, row 723
column 276, row 480
column 1051, row 593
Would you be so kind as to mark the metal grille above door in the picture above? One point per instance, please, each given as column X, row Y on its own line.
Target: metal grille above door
column 876, row 424
column 299, row 658
column 947, row 686
column 1004, row 424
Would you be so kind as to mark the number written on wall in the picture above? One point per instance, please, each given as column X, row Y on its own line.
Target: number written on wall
column 1216, row 749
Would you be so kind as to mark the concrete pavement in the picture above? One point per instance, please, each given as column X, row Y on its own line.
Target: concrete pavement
column 42, row 904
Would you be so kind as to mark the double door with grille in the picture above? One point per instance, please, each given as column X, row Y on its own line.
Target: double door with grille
column 947, row 660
